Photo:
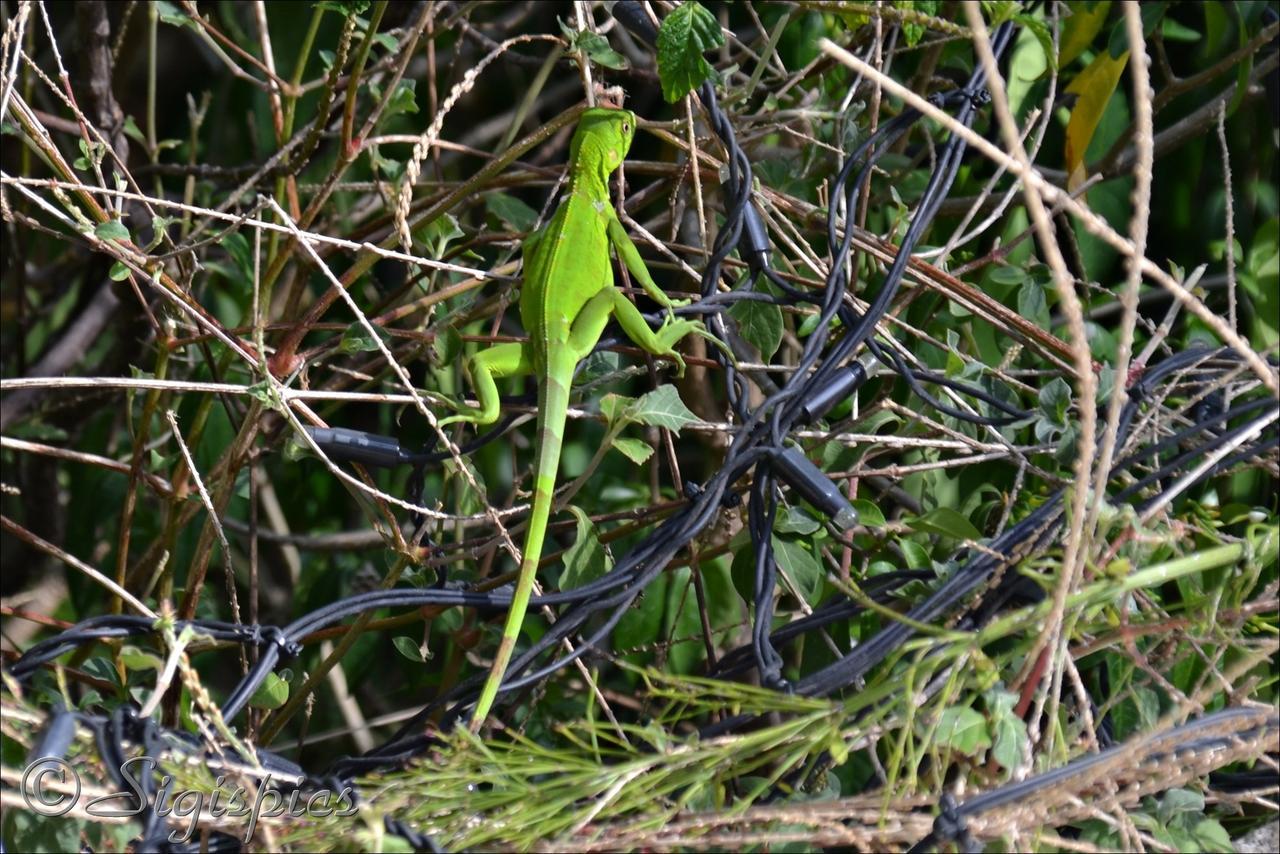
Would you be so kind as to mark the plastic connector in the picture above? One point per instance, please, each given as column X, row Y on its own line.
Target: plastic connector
column 342, row 444
column 815, row 487
column 756, row 237
column 846, row 381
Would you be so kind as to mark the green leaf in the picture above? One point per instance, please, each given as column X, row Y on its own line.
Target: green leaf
column 356, row 339
column 409, row 648
column 1009, row 730
column 760, row 325
column 586, row 560
column 801, row 567
column 636, row 450
column 617, row 409
column 663, row 407
column 171, row 14
column 446, row 346
column 403, row 100
column 271, row 694
column 598, row 50
column 962, row 729
column 945, row 521
column 1038, row 28
column 684, row 35
column 140, row 659
column 119, row 272
column 1055, row 399
column 795, row 521
column 1032, row 303
column 134, row 132
column 511, row 210
column 869, row 514
column 111, row 230
column 438, row 234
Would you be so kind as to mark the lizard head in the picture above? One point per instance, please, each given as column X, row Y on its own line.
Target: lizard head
column 603, row 134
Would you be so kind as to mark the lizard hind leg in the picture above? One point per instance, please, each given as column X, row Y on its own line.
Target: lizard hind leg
column 502, row 360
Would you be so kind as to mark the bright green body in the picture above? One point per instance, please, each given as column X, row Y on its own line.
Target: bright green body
column 567, row 299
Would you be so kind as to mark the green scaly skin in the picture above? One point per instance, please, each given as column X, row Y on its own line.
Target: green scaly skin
column 567, row 298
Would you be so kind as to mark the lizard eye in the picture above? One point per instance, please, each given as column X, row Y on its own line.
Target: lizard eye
column 626, row 127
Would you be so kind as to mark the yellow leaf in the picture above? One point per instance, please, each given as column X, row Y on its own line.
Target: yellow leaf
column 1093, row 88
column 1079, row 30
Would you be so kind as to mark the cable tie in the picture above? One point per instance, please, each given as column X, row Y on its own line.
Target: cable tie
column 816, row 488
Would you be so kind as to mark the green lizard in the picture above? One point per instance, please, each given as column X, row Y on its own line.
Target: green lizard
column 567, row 298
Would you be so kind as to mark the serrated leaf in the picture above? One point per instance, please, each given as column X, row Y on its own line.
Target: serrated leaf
column 617, row 409
column 586, row 560
column 636, row 450
column 663, row 407
column 760, row 325
column 511, row 210
column 112, row 229
column 944, row 521
column 962, row 729
column 683, row 37
column 271, row 694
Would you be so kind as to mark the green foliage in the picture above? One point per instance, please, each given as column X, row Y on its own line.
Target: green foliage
column 685, row 35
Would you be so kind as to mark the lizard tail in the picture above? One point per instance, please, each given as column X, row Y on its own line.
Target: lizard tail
column 553, row 405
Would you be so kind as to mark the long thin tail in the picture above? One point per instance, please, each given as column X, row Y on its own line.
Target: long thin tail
column 553, row 405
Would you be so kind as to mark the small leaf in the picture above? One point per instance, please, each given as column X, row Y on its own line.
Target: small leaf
column 947, row 522
column 962, row 729
column 111, row 230
column 597, row 48
column 869, row 514
column 511, row 210
column 356, row 339
column 271, row 694
column 801, row 567
column 171, row 14
column 446, row 346
column 1055, row 399
column 1038, row 28
column 618, row 409
column 140, row 659
column 760, row 325
column 633, row 449
column 586, row 560
column 1032, row 303
column 684, row 35
column 134, row 132
column 795, row 521
column 663, row 407
column 119, row 272
column 409, row 648
column 439, row 233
